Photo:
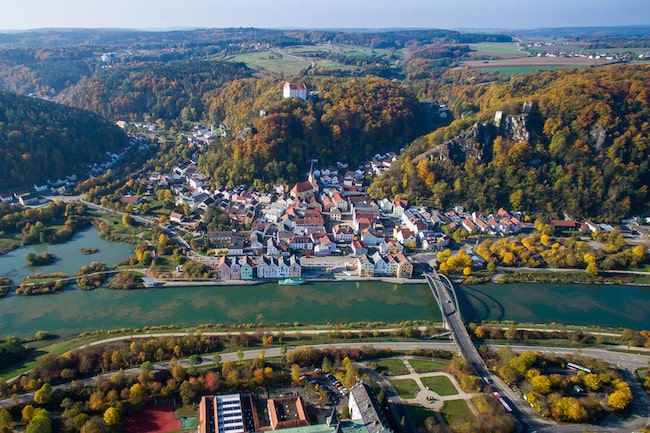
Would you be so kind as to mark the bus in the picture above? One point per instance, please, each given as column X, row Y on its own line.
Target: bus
column 504, row 404
column 576, row 367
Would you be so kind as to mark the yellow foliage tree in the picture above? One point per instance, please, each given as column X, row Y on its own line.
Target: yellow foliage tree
column 592, row 381
column 136, row 394
column 619, row 400
column 112, row 416
column 295, row 373
column 541, row 384
column 638, row 253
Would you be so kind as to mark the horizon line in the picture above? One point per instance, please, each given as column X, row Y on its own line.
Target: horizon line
column 318, row 28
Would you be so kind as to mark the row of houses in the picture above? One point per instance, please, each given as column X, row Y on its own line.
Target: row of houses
column 502, row 223
column 377, row 265
column 264, row 267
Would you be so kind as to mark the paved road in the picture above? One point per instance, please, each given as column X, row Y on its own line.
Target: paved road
column 627, row 361
column 525, row 415
column 529, row 419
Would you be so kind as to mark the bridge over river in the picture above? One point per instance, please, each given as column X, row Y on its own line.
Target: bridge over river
column 445, row 295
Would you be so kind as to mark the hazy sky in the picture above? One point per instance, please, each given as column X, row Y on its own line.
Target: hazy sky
column 152, row 14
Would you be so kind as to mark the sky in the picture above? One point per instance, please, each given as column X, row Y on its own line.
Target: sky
column 446, row 14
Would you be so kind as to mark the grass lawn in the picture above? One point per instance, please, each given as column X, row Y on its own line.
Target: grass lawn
column 418, row 415
column 55, row 348
column 406, row 388
column 184, row 411
column 440, row 384
column 456, row 411
column 642, row 279
column 391, row 366
column 7, row 244
column 426, row 366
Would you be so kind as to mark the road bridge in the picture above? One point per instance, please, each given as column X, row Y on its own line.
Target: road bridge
column 445, row 295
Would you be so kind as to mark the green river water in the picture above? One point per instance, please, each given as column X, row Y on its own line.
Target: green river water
column 73, row 310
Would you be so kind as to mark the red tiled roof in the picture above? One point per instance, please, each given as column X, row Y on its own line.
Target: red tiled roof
column 294, row 86
column 302, row 187
column 562, row 223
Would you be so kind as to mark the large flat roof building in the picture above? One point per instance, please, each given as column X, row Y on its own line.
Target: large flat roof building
column 230, row 413
column 240, row 413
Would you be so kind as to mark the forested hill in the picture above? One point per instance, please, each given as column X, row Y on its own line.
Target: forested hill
column 169, row 91
column 587, row 153
column 346, row 120
column 42, row 140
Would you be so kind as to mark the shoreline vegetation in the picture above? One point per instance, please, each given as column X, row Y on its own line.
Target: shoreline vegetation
column 131, row 280
column 40, row 284
column 42, row 259
column 5, row 285
column 92, row 276
column 553, row 277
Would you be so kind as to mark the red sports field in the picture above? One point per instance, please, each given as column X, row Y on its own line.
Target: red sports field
column 152, row 419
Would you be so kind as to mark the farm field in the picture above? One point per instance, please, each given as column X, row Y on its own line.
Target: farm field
column 523, row 65
column 274, row 62
column 497, row 49
column 292, row 60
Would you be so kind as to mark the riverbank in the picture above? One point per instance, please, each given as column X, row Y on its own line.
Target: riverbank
column 318, row 277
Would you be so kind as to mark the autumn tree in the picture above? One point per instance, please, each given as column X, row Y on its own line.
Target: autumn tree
column 136, row 394
column 295, row 373
column 112, row 416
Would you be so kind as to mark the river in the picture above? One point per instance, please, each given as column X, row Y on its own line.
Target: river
column 73, row 310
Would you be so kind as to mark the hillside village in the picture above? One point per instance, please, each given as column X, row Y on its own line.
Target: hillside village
column 328, row 214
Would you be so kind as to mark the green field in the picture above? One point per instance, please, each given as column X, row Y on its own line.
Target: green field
column 293, row 60
column 426, row 366
column 456, row 411
column 441, row 385
column 391, row 366
column 496, row 47
column 274, row 62
column 513, row 70
column 406, row 388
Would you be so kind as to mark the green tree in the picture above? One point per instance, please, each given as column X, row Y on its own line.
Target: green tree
column 5, row 418
column 40, row 423
column 43, row 395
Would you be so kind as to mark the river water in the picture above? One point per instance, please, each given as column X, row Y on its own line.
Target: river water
column 73, row 310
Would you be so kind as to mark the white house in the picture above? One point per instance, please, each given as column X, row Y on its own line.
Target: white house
column 293, row 90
